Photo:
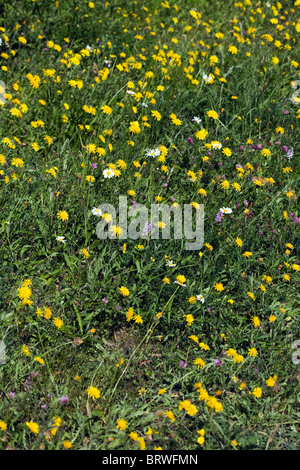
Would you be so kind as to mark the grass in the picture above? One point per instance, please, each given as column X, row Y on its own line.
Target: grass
column 66, row 324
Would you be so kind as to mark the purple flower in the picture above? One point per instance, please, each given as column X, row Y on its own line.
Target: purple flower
column 147, row 228
column 190, row 140
column 172, row 198
column 218, row 362
column 259, row 146
column 208, row 310
column 182, row 364
column 94, row 165
column 286, row 112
column 219, row 217
column 105, row 301
column 246, row 202
column 220, row 164
column 64, row 399
column 284, row 148
column 165, row 185
column 290, row 153
column 11, row 394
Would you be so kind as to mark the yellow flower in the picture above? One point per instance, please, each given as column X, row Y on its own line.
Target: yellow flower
column 85, row 252
column 121, row 424
column 39, row 359
column 106, row 109
column 34, row 427
column 238, row 358
column 116, row 230
column 180, row 279
column 255, row 321
column 63, row 215
column 67, row 444
column 266, row 152
column 271, row 381
column 169, row 414
column 93, row 392
column 251, row 295
column 124, row 291
column 199, row 362
column 212, row 114
column 201, row 134
column 252, row 352
column 134, row 127
column 3, row 426
column 156, row 115
column 58, row 322
column 239, row 242
column 219, row 287
column 189, row 318
column 232, row 49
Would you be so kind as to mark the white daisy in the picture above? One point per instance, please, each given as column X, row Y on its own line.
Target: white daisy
column 61, row 239
column 208, row 79
column 153, row 152
column 200, row 297
column 97, row 211
column 108, row 173
column 216, row 145
column 176, row 282
column 226, row 210
column 196, row 119
column 170, row 263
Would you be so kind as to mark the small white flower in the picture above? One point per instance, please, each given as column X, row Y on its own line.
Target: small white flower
column 226, row 210
column 108, row 173
column 61, row 239
column 170, row 263
column 153, row 152
column 130, row 92
column 97, row 211
column 176, row 282
column 216, row 145
column 196, row 119
column 200, row 297
column 208, row 79
column 145, row 105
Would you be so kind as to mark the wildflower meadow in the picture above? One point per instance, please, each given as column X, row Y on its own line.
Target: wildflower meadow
column 139, row 339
